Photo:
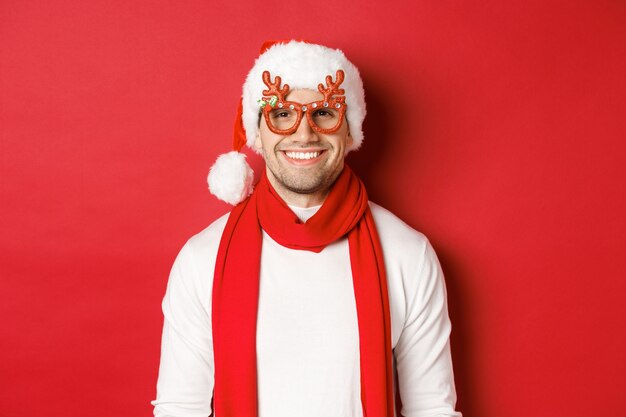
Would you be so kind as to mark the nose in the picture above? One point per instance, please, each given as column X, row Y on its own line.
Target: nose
column 305, row 133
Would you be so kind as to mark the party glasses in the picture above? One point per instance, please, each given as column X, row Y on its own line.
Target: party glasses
column 283, row 117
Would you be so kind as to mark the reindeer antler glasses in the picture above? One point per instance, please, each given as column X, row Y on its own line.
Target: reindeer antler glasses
column 283, row 117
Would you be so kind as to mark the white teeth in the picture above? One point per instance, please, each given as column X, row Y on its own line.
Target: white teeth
column 302, row 155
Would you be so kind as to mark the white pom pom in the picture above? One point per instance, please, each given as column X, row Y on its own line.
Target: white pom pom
column 230, row 178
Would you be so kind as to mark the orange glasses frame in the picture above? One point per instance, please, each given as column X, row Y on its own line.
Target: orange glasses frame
column 275, row 97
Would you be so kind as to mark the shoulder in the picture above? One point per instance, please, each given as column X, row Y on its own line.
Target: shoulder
column 196, row 259
column 410, row 259
column 411, row 266
column 207, row 240
column 395, row 235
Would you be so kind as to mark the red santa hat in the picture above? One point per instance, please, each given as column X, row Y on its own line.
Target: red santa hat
column 301, row 65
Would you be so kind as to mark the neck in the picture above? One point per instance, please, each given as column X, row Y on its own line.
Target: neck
column 293, row 198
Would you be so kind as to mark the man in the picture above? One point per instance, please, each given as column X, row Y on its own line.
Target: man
column 307, row 299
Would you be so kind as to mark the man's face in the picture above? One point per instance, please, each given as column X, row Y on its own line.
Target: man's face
column 305, row 162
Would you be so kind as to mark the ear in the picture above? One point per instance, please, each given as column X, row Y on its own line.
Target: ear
column 349, row 138
column 257, row 141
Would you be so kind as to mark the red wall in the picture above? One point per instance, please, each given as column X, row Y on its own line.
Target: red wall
column 496, row 128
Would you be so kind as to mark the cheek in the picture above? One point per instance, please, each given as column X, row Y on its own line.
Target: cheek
column 266, row 139
column 266, row 142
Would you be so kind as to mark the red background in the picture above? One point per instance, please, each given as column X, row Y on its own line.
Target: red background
column 496, row 128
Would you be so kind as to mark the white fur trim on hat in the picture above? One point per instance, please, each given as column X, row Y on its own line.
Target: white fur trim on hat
column 304, row 65
column 230, row 178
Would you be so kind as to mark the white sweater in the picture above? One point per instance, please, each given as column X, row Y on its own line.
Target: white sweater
column 307, row 329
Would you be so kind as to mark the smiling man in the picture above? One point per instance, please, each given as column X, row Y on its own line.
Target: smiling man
column 306, row 299
column 301, row 161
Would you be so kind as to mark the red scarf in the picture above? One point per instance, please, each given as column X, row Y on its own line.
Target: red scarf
column 236, row 290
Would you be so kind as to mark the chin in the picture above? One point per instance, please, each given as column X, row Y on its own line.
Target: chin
column 311, row 185
column 304, row 188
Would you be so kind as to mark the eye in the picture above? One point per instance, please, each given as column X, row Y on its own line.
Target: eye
column 326, row 113
column 280, row 114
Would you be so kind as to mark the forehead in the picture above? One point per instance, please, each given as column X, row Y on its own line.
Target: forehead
column 304, row 95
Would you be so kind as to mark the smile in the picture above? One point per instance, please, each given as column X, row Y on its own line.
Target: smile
column 302, row 155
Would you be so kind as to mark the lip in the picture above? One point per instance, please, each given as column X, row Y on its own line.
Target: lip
column 303, row 162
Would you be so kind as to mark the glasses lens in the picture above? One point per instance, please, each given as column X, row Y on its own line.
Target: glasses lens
column 283, row 119
column 326, row 117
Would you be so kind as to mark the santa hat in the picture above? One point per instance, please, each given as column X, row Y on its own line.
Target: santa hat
column 301, row 65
